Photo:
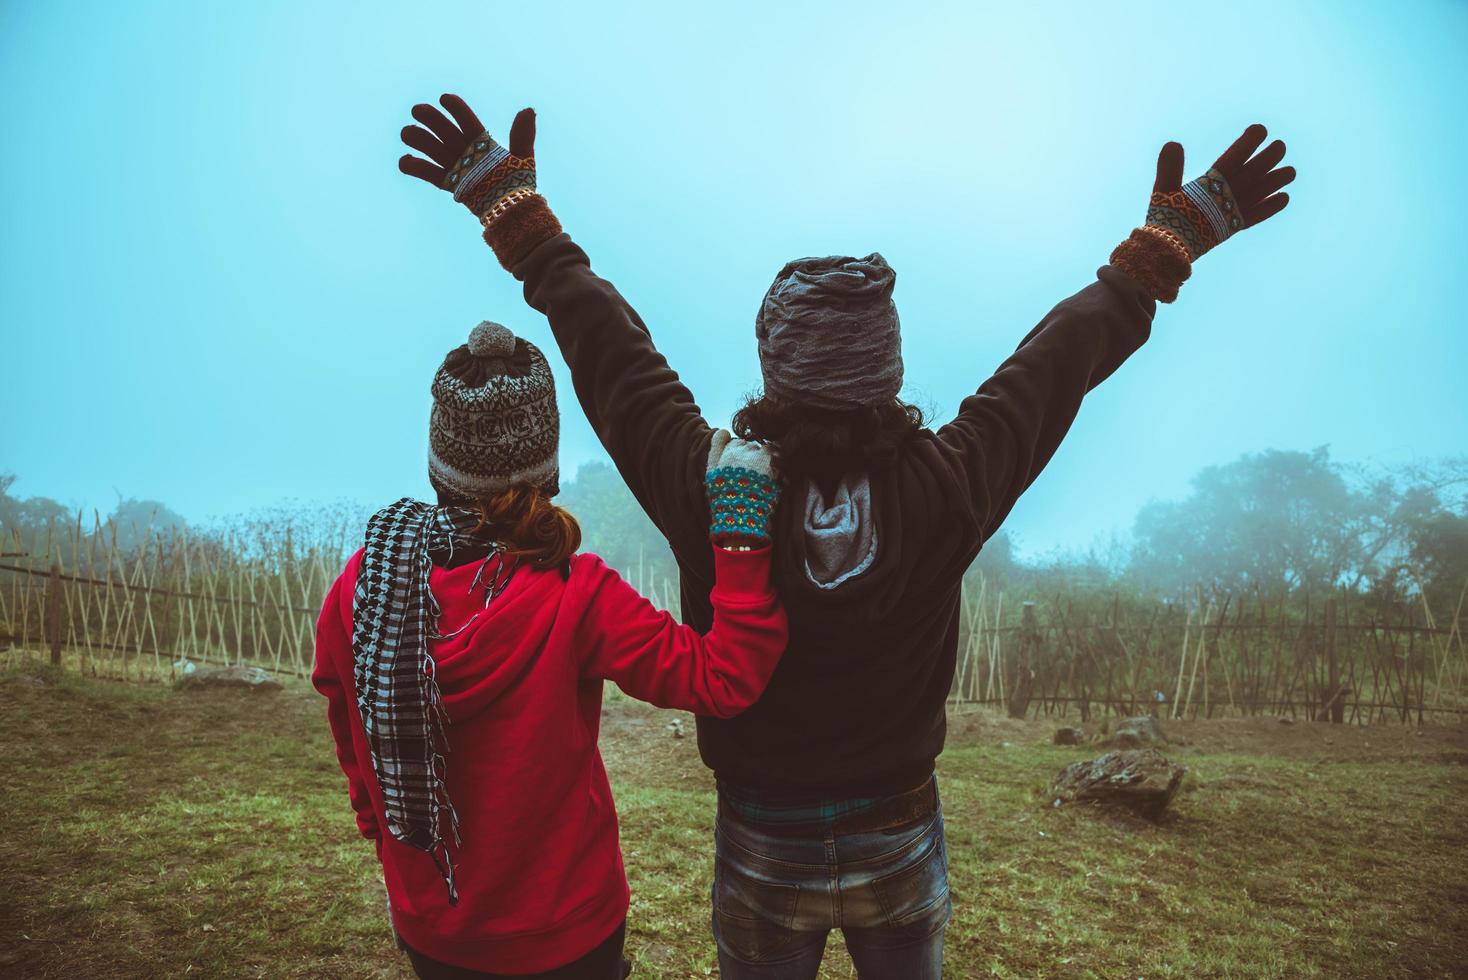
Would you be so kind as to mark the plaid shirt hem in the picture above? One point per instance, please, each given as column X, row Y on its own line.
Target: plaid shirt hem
column 750, row 807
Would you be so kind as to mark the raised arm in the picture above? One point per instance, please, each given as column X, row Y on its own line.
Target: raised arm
column 1009, row 429
column 642, row 412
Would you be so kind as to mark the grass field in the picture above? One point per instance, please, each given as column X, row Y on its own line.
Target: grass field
column 148, row 833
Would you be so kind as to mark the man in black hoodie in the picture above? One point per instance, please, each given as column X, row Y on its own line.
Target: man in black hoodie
column 828, row 808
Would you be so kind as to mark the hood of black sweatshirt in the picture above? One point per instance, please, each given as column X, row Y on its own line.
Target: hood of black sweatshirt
column 919, row 540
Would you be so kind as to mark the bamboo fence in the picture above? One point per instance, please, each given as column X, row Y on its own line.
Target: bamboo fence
column 1220, row 655
column 144, row 605
column 144, row 608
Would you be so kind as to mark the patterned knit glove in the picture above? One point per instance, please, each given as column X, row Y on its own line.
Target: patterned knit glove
column 490, row 180
column 1185, row 221
column 742, row 489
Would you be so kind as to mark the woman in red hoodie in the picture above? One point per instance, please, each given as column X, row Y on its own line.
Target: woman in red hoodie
column 462, row 653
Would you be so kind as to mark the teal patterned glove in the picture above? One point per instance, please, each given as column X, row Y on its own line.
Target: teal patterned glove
column 742, row 489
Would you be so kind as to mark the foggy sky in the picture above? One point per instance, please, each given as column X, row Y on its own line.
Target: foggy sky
column 216, row 290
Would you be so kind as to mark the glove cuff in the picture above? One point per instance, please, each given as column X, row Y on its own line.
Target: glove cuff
column 741, row 502
column 522, row 225
column 511, row 175
column 1156, row 260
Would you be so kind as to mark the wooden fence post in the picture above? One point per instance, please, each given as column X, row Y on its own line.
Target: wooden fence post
column 1337, row 702
column 1029, row 640
column 53, row 613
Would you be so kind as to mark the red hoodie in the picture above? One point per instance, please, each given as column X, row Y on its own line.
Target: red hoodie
column 540, row 874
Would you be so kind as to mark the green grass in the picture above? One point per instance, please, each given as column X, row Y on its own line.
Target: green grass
column 147, row 833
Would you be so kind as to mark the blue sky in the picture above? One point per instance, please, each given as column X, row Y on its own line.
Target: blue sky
column 216, row 289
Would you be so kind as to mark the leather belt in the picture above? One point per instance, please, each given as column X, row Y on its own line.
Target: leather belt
column 893, row 811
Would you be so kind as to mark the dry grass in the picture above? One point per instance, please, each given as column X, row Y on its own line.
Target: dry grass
column 149, row 833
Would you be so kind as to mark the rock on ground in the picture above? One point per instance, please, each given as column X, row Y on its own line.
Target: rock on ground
column 208, row 678
column 1142, row 780
column 1069, row 736
column 1136, row 732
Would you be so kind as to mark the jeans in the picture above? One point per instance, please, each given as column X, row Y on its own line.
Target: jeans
column 775, row 899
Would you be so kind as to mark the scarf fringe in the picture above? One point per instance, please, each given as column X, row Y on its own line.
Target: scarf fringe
column 395, row 615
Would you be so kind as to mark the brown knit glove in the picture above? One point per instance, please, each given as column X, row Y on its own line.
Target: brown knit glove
column 495, row 183
column 1185, row 221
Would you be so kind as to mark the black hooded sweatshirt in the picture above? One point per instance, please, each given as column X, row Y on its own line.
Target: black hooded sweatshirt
column 856, row 707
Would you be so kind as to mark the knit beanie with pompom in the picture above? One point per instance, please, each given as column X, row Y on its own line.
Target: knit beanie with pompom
column 494, row 421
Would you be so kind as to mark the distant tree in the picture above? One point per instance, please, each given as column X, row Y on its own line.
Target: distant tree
column 146, row 513
column 997, row 561
column 614, row 526
column 1438, row 560
column 138, row 522
column 23, row 519
column 284, row 532
column 1276, row 519
column 1289, row 520
column 1090, row 573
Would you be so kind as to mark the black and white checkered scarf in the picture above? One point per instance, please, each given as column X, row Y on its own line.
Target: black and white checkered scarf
column 394, row 615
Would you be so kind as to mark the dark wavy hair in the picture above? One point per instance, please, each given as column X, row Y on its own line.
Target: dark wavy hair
column 826, row 444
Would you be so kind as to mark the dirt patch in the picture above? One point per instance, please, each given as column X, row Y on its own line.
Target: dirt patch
column 1238, row 736
column 637, row 745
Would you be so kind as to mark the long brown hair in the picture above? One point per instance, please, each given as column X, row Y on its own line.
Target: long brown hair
column 535, row 529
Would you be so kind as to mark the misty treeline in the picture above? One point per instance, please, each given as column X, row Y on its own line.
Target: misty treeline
column 1277, row 523
column 39, row 531
column 1285, row 524
column 1282, row 524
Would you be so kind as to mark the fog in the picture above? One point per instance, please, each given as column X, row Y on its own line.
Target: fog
column 217, row 291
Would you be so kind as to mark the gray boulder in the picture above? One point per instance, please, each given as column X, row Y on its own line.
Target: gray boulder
column 1142, row 780
column 215, row 678
column 1134, row 733
column 1069, row 736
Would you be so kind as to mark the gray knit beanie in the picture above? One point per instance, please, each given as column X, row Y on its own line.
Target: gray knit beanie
column 829, row 334
column 494, row 421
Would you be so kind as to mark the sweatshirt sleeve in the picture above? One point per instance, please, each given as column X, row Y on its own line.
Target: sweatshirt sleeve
column 642, row 412
column 654, row 658
column 1008, row 430
column 331, row 675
